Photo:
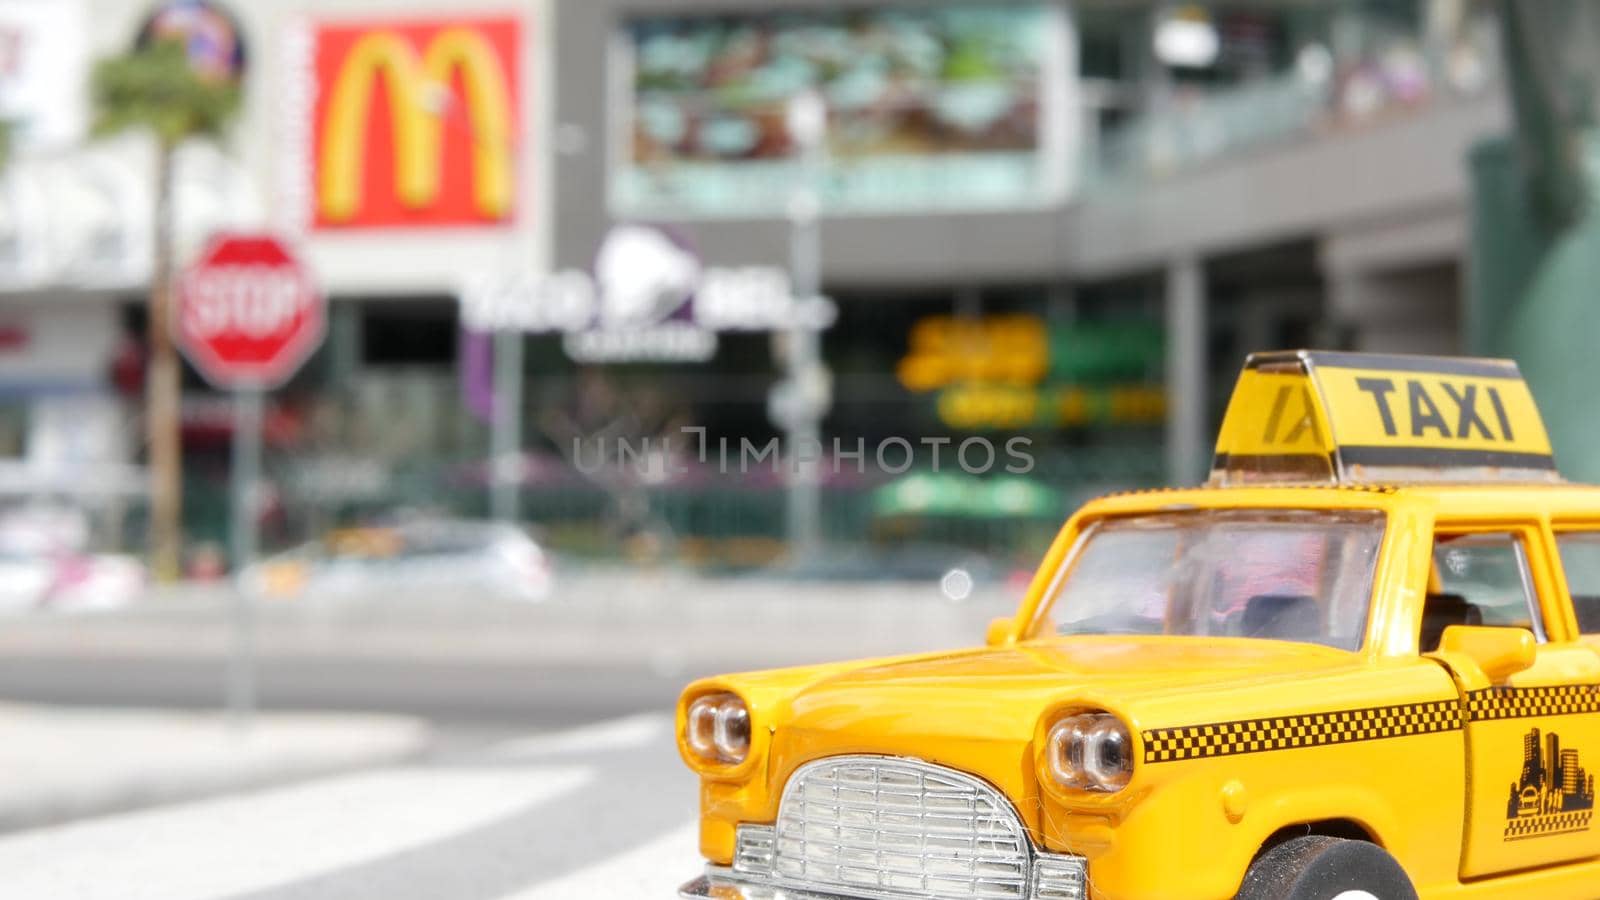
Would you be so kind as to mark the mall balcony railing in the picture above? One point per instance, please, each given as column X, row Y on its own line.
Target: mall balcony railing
column 1195, row 127
column 1201, row 128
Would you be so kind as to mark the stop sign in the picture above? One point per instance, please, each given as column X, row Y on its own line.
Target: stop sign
column 248, row 314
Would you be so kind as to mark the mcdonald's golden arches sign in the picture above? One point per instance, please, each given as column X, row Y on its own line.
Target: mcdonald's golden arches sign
column 416, row 122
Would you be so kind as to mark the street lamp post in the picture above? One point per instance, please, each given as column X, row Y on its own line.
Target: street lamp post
column 805, row 376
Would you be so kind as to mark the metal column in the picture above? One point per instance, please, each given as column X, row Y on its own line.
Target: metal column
column 505, row 465
column 807, row 124
column 1186, row 371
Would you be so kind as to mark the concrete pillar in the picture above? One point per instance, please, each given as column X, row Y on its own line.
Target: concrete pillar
column 1187, row 440
column 1412, row 310
column 1061, row 304
column 344, row 341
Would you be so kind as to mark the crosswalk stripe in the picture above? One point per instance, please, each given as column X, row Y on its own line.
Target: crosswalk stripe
column 616, row 734
column 254, row 841
column 653, row 869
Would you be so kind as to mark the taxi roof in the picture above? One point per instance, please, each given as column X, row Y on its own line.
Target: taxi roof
column 1505, row 501
column 1347, row 418
column 1312, row 429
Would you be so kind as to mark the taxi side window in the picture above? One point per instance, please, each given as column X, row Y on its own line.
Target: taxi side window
column 1482, row 579
column 1580, row 559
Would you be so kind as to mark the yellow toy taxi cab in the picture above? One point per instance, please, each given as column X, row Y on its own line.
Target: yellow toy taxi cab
column 1362, row 662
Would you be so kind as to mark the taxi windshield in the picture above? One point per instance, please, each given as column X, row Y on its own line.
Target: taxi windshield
column 1275, row 574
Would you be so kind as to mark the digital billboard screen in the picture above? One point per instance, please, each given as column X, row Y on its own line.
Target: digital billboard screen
column 937, row 107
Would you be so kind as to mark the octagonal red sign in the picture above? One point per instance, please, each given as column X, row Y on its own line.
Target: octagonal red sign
column 248, row 313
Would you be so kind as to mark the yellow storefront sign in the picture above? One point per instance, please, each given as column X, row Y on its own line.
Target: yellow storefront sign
column 945, row 350
column 980, row 406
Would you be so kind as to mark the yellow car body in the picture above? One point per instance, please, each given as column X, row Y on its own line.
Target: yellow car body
column 1466, row 762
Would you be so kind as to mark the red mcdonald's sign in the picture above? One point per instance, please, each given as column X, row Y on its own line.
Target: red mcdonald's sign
column 416, row 122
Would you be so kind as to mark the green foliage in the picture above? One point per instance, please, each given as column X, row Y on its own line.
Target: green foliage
column 971, row 59
column 155, row 89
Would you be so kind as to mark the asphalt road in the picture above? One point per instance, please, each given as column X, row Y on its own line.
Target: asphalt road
column 604, row 811
column 554, row 774
column 544, row 783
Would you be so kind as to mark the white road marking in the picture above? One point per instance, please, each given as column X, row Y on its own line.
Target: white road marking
column 254, row 841
column 653, row 869
column 616, row 734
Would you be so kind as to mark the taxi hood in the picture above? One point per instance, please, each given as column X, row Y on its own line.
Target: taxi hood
column 1096, row 657
column 1001, row 692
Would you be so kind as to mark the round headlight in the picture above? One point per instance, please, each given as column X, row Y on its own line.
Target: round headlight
column 1090, row 751
column 1065, row 751
column 718, row 728
column 700, row 730
column 1108, row 754
column 731, row 731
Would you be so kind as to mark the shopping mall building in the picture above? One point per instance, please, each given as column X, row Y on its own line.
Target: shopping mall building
column 1067, row 222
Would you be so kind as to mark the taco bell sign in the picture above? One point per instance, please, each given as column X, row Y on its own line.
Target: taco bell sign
column 648, row 299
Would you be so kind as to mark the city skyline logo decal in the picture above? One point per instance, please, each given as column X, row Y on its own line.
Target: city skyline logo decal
column 1553, row 795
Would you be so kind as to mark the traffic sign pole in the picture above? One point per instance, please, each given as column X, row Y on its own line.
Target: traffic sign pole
column 248, row 316
column 241, row 685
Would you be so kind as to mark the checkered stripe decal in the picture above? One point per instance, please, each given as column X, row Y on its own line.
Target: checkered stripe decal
column 1313, row 730
column 1554, row 823
column 1521, row 703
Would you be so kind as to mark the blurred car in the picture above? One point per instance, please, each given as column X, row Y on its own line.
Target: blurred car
column 45, row 563
column 957, row 571
column 414, row 557
column 85, row 582
column 67, row 582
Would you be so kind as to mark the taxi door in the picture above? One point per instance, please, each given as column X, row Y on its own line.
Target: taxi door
column 1533, row 740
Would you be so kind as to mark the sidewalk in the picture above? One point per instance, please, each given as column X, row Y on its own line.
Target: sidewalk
column 607, row 643
column 60, row 763
column 596, row 619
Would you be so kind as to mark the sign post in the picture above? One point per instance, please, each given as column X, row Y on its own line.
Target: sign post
column 246, row 477
column 248, row 314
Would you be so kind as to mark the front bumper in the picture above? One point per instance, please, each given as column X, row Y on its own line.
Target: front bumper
column 720, row 883
column 1055, row 876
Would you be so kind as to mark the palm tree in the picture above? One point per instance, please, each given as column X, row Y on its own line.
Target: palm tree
column 153, row 89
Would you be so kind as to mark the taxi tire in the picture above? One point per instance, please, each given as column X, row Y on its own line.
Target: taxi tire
column 1324, row 868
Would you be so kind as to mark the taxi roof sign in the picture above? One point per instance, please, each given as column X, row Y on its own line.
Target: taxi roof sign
column 1335, row 418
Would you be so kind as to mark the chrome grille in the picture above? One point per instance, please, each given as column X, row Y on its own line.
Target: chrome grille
column 752, row 850
column 872, row 826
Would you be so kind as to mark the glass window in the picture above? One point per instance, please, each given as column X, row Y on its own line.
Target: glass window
column 1483, row 580
column 1285, row 575
column 1580, row 558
